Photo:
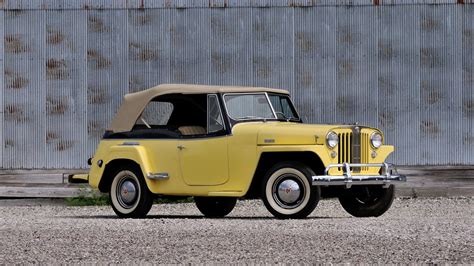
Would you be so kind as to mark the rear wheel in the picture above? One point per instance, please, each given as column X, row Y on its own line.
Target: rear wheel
column 129, row 194
column 367, row 201
column 215, row 207
column 287, row 191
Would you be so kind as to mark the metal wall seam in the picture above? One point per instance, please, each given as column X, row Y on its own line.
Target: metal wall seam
column 107, row 70
column 355, row 65
column 229, row 46
column 439, row 97
column 148, row 48
column 66, row 88
column 2, row 83
column 315, row 63
column 24, row 94
column 398, row 81
column 190, row 46
column 467, row 84
column 271, row 28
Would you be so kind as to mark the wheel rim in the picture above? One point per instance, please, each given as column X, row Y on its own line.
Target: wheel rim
column 288, row 191
column 127, row 192
column 366, row 195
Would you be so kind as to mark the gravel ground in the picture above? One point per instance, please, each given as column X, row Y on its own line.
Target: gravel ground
column 413, row 230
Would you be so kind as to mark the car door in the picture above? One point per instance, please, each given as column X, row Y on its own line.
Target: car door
column 203, row 152
column 160, row 141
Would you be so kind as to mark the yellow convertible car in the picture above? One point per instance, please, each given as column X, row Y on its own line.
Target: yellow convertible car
column 221, row 143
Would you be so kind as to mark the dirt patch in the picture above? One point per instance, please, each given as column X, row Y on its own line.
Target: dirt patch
column 56, row 106
column 15, row 113
column 56, row 69
column 96, row 95
column 304, row 42
column 97, row 60
column 63, row 145
column 51, row 136
column 430, row 24
column 54, row 37
column 15, row 44
column 96, row 24
column 430, row 128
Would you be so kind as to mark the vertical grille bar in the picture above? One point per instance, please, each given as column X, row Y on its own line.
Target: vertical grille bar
column 365, row 153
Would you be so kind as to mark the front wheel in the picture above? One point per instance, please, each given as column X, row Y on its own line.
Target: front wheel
column 129, row 194
column 287, row 191
column 367, row 201
column 215, row 207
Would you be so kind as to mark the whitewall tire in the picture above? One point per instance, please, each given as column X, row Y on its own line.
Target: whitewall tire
column 129, row 194
column 287, row 191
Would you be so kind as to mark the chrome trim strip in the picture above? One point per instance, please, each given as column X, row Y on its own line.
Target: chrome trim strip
column 389, row 175
column 271, row 105
column 158, row 176
column 130, row 143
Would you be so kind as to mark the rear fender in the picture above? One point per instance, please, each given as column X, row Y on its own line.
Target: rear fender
column 135, row 153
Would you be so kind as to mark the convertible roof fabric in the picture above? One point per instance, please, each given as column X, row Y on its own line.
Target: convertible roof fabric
column 134, row 103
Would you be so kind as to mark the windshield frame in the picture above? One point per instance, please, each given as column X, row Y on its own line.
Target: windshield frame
column 292, row 107
column 274, row 118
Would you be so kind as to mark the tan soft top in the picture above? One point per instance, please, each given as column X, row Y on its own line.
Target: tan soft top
column 134, row 103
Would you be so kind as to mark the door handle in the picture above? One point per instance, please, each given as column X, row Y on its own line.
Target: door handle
column 181, row 147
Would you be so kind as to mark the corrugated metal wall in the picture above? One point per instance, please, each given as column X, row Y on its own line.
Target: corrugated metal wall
column 408, row 69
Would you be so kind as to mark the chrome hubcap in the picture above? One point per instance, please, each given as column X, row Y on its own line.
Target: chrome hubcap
column 127, row 193
column 289, row 191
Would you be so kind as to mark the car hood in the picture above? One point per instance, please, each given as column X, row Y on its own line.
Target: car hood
column 282, row 133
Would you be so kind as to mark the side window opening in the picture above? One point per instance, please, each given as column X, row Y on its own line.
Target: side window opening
column 155, row 115
column 215, row 122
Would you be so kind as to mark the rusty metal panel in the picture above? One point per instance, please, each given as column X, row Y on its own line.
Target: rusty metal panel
column 148, row 46
column 440, row 84
column 2, row 71
column 66, row 87
column 356, row 65
column 467, row 125
column 107, row 70
column 230, row 49
column 24, row 93
column 315, row 64
column 398, row 71
column 272, row 47
column 190, row 46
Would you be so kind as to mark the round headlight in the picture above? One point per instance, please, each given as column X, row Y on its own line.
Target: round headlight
column 332, row 139
column 376, row 140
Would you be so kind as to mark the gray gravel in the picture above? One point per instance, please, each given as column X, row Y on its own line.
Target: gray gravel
column 414, row 230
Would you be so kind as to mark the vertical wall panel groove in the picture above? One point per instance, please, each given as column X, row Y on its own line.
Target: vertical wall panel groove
column 66, row 88
column 2, row 83
column 24, row 92
column 107, row 70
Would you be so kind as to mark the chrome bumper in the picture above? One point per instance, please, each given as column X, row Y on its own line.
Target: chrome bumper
column 389, row 175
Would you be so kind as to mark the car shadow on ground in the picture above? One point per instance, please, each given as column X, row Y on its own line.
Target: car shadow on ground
column 198, row 217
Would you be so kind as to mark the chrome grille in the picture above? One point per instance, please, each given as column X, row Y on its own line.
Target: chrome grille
column 354, row 148
column 344, row 148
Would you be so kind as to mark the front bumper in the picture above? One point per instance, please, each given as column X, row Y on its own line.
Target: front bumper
column 388, row 176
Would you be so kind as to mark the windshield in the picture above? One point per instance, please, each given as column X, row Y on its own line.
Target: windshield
column 256, row 106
